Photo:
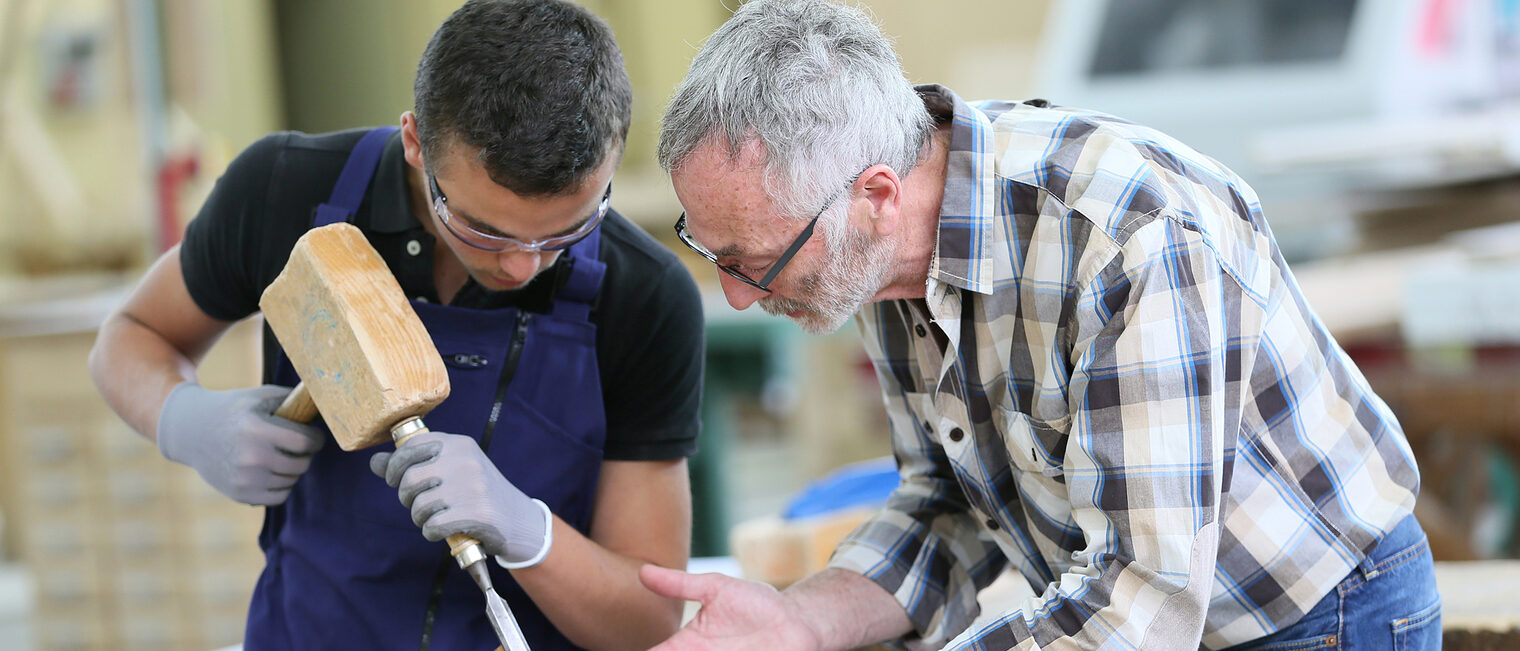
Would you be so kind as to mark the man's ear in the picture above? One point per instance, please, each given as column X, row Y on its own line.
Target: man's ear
column 881, row 190
column 410, row 143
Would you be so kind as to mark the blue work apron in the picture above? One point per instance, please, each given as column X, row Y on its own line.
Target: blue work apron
column 345, row 566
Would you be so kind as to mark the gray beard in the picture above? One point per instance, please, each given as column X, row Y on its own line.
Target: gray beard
column 856, row 269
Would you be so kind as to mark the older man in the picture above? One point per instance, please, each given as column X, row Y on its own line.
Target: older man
column 1099, row 371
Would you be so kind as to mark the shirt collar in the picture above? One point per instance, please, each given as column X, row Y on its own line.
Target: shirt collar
column 391, row 208
column 962, row 256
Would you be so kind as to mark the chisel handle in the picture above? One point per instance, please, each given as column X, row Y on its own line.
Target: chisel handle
column 466, row 550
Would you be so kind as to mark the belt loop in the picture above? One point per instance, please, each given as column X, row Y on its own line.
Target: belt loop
column 1406, row 532
column 1368, row 566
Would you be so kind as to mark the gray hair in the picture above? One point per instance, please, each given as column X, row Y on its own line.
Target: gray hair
column 819, row 87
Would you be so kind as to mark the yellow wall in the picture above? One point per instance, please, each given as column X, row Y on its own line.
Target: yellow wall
column 348, row 65
column 221, row 67
column 983, row 49
column 339, row 74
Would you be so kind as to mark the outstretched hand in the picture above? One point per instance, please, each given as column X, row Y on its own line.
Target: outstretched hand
column 735, row 614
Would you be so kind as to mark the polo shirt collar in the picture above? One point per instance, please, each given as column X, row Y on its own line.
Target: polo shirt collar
column 390, row 205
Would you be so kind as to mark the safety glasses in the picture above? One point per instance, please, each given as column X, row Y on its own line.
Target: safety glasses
column 500, row 243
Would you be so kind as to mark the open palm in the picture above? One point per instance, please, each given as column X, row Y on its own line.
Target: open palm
column 735, row 614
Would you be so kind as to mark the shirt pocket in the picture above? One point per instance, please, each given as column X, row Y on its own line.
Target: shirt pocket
column 1033, row 446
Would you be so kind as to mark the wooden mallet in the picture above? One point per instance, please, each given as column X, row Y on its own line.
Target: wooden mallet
column 366, row 362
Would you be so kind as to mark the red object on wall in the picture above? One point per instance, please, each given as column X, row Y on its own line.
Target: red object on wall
column 173, row 174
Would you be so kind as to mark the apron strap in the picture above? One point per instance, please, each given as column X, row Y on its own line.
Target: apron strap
column 574, row 298
column 353, row 181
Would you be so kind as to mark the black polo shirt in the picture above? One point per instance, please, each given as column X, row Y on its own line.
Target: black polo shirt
column 648, row 315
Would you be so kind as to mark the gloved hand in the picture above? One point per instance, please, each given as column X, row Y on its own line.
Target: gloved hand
column 236, row 443
column 451, row 487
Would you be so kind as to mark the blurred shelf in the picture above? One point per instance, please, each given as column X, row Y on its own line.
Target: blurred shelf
column 1396, row 153
column 59, row 304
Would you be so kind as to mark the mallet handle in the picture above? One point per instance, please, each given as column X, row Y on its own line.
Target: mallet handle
column 298, row 406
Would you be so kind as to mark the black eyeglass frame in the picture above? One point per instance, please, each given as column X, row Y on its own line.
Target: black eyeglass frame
column 764, row 283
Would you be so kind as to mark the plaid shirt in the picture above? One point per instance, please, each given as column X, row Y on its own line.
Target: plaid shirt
column 1114, row 387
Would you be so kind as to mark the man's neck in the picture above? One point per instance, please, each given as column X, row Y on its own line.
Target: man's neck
column 449, row 275
column 923, row 191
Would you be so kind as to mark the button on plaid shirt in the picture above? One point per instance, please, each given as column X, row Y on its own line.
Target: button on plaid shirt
column 1115, row 388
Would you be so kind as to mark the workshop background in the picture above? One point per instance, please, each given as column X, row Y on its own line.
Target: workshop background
column 1382, row 135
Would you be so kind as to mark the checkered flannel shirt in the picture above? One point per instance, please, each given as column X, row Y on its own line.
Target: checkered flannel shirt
column 1115, row 388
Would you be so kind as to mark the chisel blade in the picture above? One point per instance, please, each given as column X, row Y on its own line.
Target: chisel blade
column 507, row 632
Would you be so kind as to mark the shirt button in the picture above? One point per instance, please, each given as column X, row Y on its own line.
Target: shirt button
column 920, row 330
column 956, row 434
column 992, row 524
column 413, row 247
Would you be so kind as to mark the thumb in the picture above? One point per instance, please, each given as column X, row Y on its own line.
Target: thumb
column 378, row 462
column 270, row 393
column 679, row 585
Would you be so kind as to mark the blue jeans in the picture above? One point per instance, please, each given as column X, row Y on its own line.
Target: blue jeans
column 1388, row 603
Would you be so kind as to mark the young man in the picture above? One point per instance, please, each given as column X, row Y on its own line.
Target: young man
column 573, row 342
column 1098, row 369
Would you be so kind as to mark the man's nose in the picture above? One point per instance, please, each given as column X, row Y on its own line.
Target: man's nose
column 739, row 295
column 519, row 264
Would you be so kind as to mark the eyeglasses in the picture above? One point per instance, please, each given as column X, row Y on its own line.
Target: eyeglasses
column 764, row 283
column 500, row 243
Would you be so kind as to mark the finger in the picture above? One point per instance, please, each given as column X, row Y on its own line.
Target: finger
column 679, row 585
column 445, row 523
column 313, row 438
column 410, row 490
column 284, row 466
column 274, row 481
column 270, row 496
column 291, row 439
column 409, row 455
column 269, row 398
column 271, row 395
column 377, row 464
column 424, row 511
column 436, row 526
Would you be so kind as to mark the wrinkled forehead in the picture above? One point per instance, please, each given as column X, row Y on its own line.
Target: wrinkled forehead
column 728, row 209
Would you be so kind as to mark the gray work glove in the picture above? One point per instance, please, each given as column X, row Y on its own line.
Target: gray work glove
column 451, row 487
column 236, row 443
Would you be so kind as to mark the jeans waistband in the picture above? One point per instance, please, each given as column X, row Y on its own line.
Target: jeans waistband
column 1405, row 535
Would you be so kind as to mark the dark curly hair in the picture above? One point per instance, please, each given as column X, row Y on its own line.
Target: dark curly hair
column 538, row 86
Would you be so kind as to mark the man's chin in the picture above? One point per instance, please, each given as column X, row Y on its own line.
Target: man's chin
column 496, row 283
column 810, row 320
column 814, row 323
column 818, row 327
